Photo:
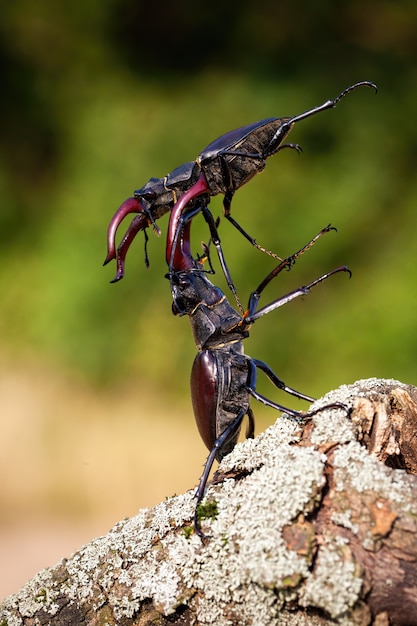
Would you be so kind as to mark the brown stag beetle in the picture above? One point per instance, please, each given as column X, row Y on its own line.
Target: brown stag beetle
column 221, row 168
column 223, row 378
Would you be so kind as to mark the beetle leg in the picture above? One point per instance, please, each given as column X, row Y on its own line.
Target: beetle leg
column 293, row 146
column 256, row 155
column 220, row 442
column 285, row 264
column 255, row 363
column 147, row 264
column 251, row 387
column 250, row 431
column 332, row 405
column 278, row 382
column 227, row 201
column 180, row 258
column 286, row 126
column 217, row 243
column 251, row 239
column 363, row 83
column 301, row 291
column 228, row 196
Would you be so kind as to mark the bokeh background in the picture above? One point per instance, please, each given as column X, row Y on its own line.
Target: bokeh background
column 97, row 97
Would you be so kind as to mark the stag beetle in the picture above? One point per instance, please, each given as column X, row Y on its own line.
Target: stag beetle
column 223, row 378
column 221, row 168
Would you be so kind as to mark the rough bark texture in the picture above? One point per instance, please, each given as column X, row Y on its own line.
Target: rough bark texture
column 316, row 524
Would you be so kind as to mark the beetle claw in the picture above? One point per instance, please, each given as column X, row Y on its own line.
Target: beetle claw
column 293, row 146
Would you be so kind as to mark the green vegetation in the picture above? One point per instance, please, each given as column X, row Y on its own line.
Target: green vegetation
column 208, row 510
column 102, row 96
column 188, row 531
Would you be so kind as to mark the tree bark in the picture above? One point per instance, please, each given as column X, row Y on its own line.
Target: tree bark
column 316, row 524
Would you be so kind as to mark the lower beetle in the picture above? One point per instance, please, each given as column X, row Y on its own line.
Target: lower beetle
column 223, row 378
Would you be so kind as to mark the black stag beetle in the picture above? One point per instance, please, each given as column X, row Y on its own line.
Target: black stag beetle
column 223, row 378
column 221, row 168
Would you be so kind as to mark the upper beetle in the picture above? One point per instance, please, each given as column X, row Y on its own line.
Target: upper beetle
column 222, row 167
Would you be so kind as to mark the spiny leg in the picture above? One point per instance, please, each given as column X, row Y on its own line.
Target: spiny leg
column 220, row 442
column 301, row 291
column 255, row 363
column 251, row 387
column 285, row 264
column 285, row 128
column 178, row 241
column 212, row 224
column 228, row 196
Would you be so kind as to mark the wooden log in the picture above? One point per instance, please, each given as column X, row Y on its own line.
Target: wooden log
column 316, row 524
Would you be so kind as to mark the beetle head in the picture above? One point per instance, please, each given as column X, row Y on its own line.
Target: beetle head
column 192, row 289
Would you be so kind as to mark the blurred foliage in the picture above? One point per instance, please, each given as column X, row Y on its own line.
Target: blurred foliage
column 100, row 96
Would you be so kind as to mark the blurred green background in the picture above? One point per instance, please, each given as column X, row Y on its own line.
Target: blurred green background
column 98, row 97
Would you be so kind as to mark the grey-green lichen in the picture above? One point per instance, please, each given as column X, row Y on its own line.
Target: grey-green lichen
column 323, row 588
column 246, row 572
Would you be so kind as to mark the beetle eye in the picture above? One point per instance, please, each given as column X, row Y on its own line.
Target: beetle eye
column 184, row 282
column 179, row 280
column 145, row 195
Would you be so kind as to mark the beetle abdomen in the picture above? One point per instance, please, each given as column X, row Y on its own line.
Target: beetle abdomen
column 219, row 394
column 204, row 394
column 252, row 140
